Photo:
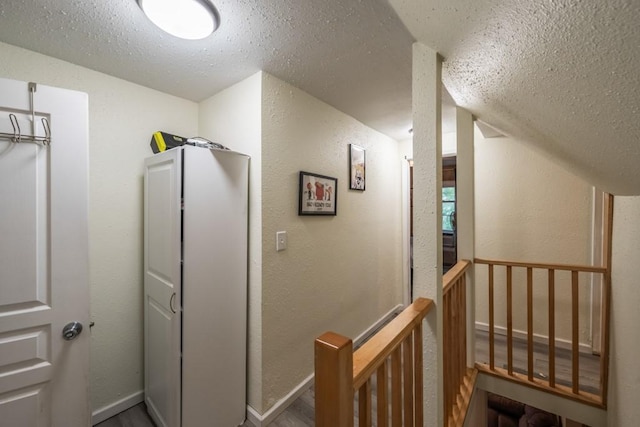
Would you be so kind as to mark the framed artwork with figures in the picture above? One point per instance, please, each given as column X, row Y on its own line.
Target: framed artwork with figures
column 357, row 178
column 317, row 194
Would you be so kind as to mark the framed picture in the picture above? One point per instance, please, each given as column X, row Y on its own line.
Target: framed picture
column 356, row 167
column 318, row 194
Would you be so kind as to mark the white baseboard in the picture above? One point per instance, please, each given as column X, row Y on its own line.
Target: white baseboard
column 280, row 406
column 268, row 417
column 254, row 417
column 371, row 329
column 115, row 408
column 538, row 338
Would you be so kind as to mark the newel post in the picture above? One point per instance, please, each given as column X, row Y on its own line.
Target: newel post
column 333, row 380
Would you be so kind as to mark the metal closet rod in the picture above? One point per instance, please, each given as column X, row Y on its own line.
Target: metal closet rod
column 17, row 136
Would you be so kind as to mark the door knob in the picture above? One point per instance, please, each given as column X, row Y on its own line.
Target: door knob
column 71, row 330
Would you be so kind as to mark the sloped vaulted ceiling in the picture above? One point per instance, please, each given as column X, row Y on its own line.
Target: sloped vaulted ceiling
column 561, row 75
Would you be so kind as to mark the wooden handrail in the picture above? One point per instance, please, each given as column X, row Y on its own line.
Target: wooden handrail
column 375, row 351
column 564, row 267
column 340, row 373
column 454, row 274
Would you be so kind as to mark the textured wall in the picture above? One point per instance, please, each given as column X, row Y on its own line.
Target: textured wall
column 427, row 214
column 233, row 118
column 122, row 117
column 339, row 273
column 529, row 209
column 624, row 380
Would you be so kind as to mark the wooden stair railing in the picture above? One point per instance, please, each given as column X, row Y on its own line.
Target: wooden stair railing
column 529, row 377
column 458, row 379
column 550, row 384
column 394, row 355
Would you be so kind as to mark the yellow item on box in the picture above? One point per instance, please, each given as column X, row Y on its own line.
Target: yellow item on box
column 162, row 141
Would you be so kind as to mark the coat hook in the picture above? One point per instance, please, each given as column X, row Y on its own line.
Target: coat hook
column 47, row 132
column 17, row 137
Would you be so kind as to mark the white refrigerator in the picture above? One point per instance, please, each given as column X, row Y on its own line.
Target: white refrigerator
column 195, row 286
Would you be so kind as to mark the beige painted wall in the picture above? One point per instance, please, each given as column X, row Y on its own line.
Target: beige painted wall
column 339, row 273
column 233, row 118
column 122, row 117
column 449, row 144
column 360, row 281
column 405, row 148
column 624, row 379
column 530, row 209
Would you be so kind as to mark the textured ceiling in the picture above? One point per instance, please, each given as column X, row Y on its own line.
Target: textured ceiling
column 561, row 75
column 354, row 55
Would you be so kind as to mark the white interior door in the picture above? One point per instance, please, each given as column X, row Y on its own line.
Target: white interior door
column 44, row 260
column 162, row 286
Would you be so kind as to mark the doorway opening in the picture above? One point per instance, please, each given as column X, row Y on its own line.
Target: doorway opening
column 449, row 206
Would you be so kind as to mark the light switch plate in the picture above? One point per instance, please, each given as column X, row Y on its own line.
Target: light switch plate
column 281, row 240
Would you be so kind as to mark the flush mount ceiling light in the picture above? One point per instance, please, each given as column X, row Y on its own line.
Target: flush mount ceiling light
column 187, row 19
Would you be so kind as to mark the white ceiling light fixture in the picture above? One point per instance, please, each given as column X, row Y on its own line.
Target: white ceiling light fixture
column 187, row 19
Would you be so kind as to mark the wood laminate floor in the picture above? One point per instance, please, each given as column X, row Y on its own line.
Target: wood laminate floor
column 133, row 417
column 299, row 414
column 589, row 364
column 301, row 411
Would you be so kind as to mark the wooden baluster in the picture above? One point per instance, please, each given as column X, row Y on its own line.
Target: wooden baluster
column 452, row 350
column 604, row 348
column 463, row 335
column 333, row 381
column 509, row 321
column 407, row 380
column 552, row 328
column 460, row 338
column 382, row 392
column 454, row 344
column 492, row 353
column 455, row 330
column 530, row 323
column 451, row 354
column 418, row 392
column 364, row 404
column 446, row 351
column 396, row 388
column 575, row 368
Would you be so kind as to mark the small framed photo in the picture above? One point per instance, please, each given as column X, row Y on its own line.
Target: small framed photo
column 356, row 167
column 317, row 195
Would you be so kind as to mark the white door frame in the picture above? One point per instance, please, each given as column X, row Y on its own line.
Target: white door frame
column 597, row 229
column 406, row 242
